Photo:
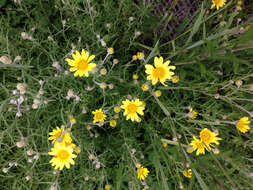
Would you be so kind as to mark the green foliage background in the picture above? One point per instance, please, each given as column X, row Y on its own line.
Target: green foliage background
column 208, row 57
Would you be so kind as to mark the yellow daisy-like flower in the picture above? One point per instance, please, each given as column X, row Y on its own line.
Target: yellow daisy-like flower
column 116, row 109
column 132, row 108
column 161, row 72
column 134, row 57
column 175, row 79
column 110, row 50
column 140, row 55
column 144, row 87
column 199, row 146
column 81, row 64
column 188, row 173
column 135, row 76
column 113, row 123
column 56, row 135
column 63, row 156
column 218, row 4
column 142, row 173
column 107, row 187
column 189, row 149
column 192, row 114
column 243, row 124
column 99, row 116
column 209, row 137
column 158, row 93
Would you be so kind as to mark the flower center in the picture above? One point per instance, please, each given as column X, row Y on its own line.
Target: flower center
column 99, row 116
column 82, row 65
column 159, row 72
column 206, row 137
column 63, row 155
column 131, row 108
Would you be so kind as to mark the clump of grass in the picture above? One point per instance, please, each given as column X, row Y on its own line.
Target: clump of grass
column 152, row 147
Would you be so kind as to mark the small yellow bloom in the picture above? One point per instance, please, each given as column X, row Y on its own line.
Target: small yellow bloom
column 142, row 173
column 199, row 146
column 113, row 123
column 209, row 137
column 110, row 50
column 192, row 114
column 140, row 55
column 91, row 156
column 72, row 119
column 175, row 79
column 99, row 116
column 144, row 87
column 135, row 76
column 107, row 187
column 190, row 149
column 63, row 156
column 132, row 108
column 77, row 149
column 218, row 4
column 138, row 165
column 238, row 83
column 116, row 109
column 243, row 124
column 239, row 2
column 247, row 27
column 165, row 145
column 134, row 57
column 103, row 71
column 188, row 173
column 161, row 72
column 81, row 64
column 158, row 93
column 103, row 85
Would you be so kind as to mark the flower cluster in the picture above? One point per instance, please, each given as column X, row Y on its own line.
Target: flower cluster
column 207, row 138
column 63, row 148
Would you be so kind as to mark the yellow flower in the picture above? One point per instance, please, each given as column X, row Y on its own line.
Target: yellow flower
column 138, row 165
column 63, row 156
column 247, row 27
column 103, row 85
column 209, row 137
column 116, row 109
column 144, row 87
column 60, row 135
column 140, row 55
column 77, row 149
column 165, row 145
column 188, row 173
column 218, row 3
column 243, row 124
column 103, row 71
column 158, row 93
column 238, row 83
column 81, row 64
column 110, row 50
column 132, row 108
column 142, row 173
column 160, row 72
column 72, row 119
column 199, row 146
column 175, row 79
column 192, row 114
column 99, row 116
column 135, row 76
column 189, row 149
column 107, row 187
column 134, row 57
column 113, row 123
